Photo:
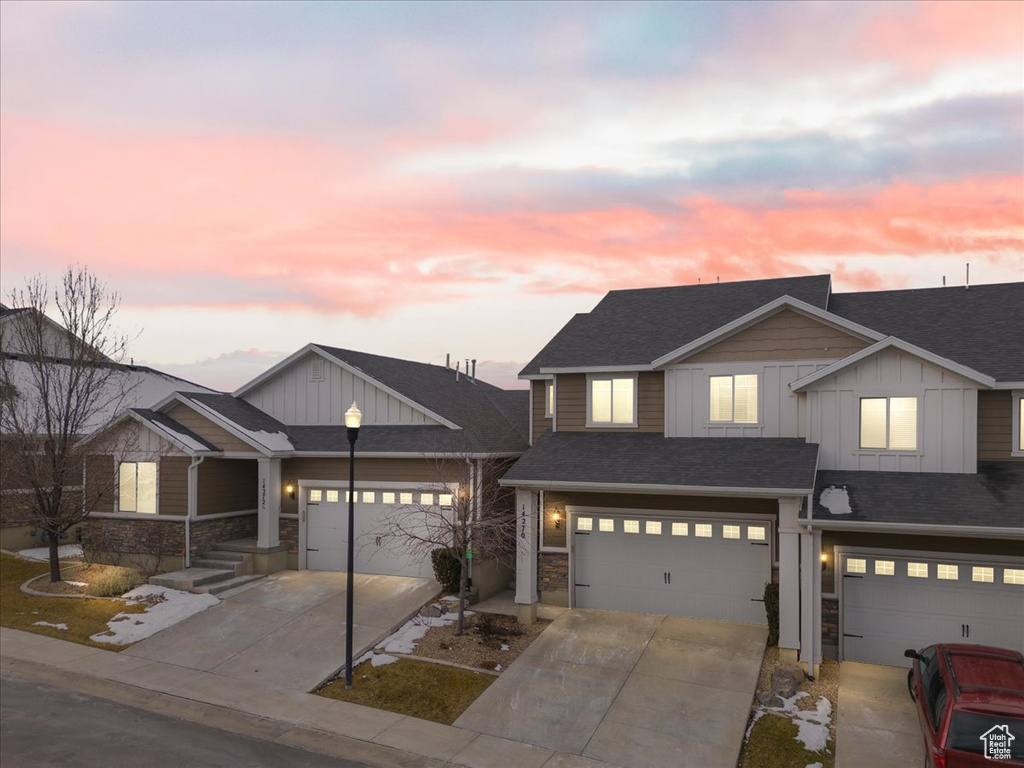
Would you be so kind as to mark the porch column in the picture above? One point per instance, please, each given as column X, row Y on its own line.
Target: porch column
column 526, row 555
column 810, row 598
column 269, row 503
column 789, row 579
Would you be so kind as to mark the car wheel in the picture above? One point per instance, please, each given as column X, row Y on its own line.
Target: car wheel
column 910, row 684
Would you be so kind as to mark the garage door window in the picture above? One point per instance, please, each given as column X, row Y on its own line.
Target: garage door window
column 1013, row 576
column 387, row 497
column 332, row 497
column 653, row 527
column 606, row 524
column 427, row 498
column 756, row 532
column 631, row 526
column 730, row 531
column 369, row 497
column 584, row 523
column 947, row 572
column 917, row 570
column 702, row 530
column 405, row 498
column 982, row 574
column 856, row 565
column 680, row 529
column 885, row 568
column 444, row 499
column 316, row 495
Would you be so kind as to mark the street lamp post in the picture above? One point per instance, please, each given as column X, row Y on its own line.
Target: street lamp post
column 353, row 418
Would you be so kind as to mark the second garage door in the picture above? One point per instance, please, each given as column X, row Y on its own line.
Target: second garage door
column 693, row 567
column 891, row 603
column 327, row 533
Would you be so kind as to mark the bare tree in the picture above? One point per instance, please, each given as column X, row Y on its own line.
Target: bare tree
column 59, row 381
column 471, row 522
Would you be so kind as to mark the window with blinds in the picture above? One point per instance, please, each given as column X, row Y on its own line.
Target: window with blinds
column 612, row 402
column 888, row 423
column 734, row 398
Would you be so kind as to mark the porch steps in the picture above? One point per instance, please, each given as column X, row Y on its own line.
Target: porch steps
column 217, row 587
column 191, row 578
column 216, row 570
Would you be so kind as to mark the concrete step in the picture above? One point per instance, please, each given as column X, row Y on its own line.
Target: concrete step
column 223, row 586
column 190, row 578
column 237, row 567
column 226, row 554
column 242, row 545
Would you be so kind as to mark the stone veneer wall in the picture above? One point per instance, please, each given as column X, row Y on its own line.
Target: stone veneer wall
column 205, row 533
column 288, row 532
column 830, row 627
column 150, row 537
column 553, row 577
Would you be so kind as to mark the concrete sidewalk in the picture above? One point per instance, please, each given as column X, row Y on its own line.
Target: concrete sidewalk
column 303, row 720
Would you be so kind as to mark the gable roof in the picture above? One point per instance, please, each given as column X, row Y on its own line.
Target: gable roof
column 247, row 422
column 631, row 328
column 169, row 429
column 981, row 327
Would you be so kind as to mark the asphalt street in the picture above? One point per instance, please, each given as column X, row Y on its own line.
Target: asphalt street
column 44, row 726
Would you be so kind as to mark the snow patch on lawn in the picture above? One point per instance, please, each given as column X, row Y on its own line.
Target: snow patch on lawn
column 812, row 725
column 42, row 554
column 62, row 625
column 406, row 638
column 165, row 607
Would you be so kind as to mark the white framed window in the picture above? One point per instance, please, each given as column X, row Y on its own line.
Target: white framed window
column 917, row 570
column 1017, row 449
column 631, row 526
column 680, row 529
column 333, row 496
column 584, row 523
column 445, row 499
column 983, row 574
column 611, row 401
column 136, row 487
column 756, row 533
column 888, row 423
column 733, row 398
column 947, row 572
column 549, row 399
column 856, row 565
column 885, row 568
column 652, row 527
column 702, row 530
column 316, row 495
column 1013, row 575
column 427, row 499
column 606, row 525
column 369, row 497
column 730, row 531
column 387, row 497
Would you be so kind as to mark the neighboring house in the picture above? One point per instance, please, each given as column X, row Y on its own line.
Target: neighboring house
column 18, row 324
column 269, row 462
column 865, row 451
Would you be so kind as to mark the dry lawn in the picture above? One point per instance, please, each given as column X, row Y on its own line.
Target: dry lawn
column 419, row 689
column 79, row 577
column 488, row 642
column 84, row 618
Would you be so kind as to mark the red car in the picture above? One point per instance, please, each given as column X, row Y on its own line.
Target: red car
column 970, row 701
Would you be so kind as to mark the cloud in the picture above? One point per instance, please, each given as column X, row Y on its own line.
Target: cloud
column 225, row 372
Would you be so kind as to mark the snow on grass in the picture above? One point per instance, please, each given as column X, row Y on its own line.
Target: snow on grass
column 62, row 625
column 165, row 607
column 812, row 725
column 405, row 639
column 42, row 554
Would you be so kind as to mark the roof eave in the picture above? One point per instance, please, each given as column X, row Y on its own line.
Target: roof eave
column 688, row 490
column 983, row 531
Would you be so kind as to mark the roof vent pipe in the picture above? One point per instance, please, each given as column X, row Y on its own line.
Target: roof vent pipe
column 448, row 358
column 456, row 370
column 968, row 283
column 472, row 376
column 943, row 281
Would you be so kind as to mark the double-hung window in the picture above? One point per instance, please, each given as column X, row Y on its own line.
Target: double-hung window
column 734, row 398
column 136, row 486
column 549, row 399
column 611, row 401
column 888, row 423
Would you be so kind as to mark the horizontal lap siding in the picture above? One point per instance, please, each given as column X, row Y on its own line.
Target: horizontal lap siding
column 787, row 335
column 540, row 421
column 227, row 485
column 173, row 478
column 571, row 403
column 207, row 430
column 995, row 426
column 99, row 482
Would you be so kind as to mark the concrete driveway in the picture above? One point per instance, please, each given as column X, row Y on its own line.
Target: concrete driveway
column 877, row 720
column 287, row 631
column 629, row 689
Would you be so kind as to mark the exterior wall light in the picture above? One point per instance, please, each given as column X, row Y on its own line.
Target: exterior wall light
column 290, row 490
column 557, row 518
column 824, row 561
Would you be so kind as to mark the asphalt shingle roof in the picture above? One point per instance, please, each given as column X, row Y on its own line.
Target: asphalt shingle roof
column 635, row 327
column 994, row 497
column 166, row 421
column 981, row 327
column 238, row 411
column 650, row 459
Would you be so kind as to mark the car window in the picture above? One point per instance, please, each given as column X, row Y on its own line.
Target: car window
column 973, row 732
column 934, row 687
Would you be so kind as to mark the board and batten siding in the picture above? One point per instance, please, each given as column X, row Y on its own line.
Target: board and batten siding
column 995, row 426
column 947, row 416
column 780, row 412
column 571, row 403
column 786, row 335
column 541, row 423
column 227, row 485
column 207, row 430
column 292, row 396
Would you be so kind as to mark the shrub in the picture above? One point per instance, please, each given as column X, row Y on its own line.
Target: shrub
column 771, row 608
column 114, row 582
column 447, row 569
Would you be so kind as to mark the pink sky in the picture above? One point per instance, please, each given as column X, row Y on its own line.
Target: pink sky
column 418, row 179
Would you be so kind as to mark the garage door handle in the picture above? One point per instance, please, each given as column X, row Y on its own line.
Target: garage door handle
column 758, row 543
column 847, row 635
column 757, row 599
column 851, row 576
column 581, row 585
column 582, row 533
column 312, row 550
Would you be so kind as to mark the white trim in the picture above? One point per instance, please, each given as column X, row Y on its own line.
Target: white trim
column 916, row 451
column 935, row 529
column 751, row 318
column 289, row 515
column 534, row 376
column 591, row 378
column 679, row 490
column 1009, row 385
column 1016, row 405
column 221, row 515
column 759, row 404
column 550, row 414
column 134, row 459
column 632, row 368
column 903, row 346
column 529, row 433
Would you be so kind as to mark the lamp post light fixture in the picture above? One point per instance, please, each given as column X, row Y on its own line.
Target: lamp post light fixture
column 353, row 418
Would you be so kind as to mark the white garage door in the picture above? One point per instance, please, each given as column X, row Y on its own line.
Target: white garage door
column 894, row 603
column 327, row 533
column 694, row 567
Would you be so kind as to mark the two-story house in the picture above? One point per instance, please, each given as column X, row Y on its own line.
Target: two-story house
column 865, row 451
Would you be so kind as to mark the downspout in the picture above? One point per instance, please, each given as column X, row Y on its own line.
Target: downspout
column 193, row 504
column 811, row 567
column 471, row 517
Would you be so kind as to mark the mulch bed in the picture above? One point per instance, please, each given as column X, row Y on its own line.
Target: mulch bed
column 488, row 641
